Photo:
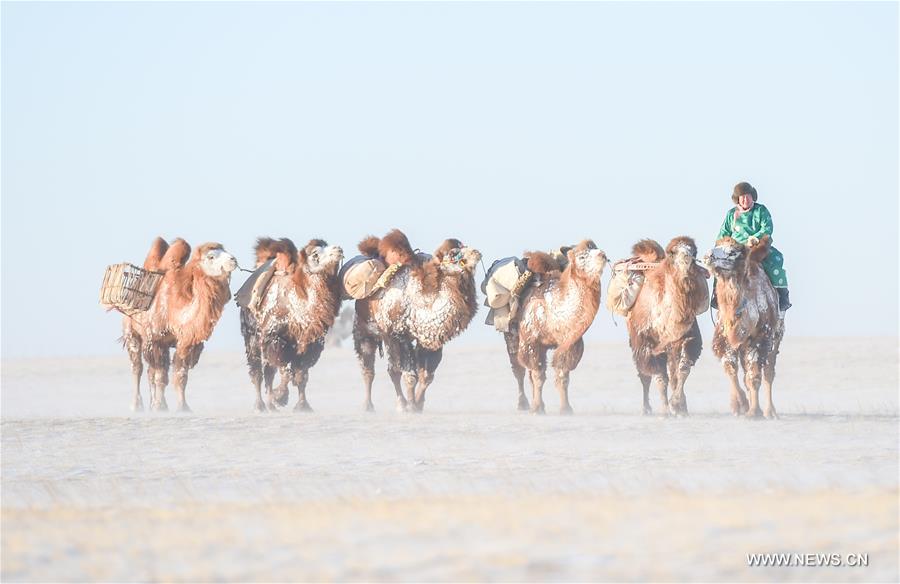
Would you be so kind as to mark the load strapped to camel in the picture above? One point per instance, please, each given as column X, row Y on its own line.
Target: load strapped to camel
column 252, row 290
column 360, row 276
column 502, row 287
column 128, row 288
column 505, row 282
column 625, row 284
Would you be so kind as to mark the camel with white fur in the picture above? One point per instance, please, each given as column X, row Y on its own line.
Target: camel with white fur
column 555, row 311
column 182, row 316
column 662, row 324
column 750, row 327
column 286, row 331
column 428, row 302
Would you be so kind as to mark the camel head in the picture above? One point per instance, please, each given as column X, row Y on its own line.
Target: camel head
column 727, row 259
column 587, row 260
column 681, row 254
column 455, row 257
column 730, row 259
column 215, row 261
column 322, row 258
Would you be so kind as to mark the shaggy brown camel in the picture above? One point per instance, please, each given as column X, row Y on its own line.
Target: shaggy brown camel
column 555, row 311
column 286, row 331
column 749, row 327
column 182, row 316
column 428, row 302
column 662, row 325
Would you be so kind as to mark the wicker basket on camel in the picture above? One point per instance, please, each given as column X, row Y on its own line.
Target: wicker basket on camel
column 128, row 288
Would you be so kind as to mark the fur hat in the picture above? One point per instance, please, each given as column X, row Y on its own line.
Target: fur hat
column 743, row 188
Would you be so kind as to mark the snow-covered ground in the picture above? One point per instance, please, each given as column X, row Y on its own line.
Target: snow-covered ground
column 469, row 490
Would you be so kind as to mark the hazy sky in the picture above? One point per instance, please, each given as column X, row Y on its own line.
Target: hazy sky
column 508, row 125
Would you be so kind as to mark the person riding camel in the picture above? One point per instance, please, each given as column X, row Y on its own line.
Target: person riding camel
column 746, row 223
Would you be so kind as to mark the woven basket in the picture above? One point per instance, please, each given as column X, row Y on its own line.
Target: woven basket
column 128, row 288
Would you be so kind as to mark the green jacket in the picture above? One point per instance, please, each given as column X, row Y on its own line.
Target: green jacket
column 756, row 222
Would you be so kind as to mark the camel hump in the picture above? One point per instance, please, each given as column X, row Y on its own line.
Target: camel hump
column 176, row 256
column 647, row 250
column 541, row 263
column 760, row 251
column 369, row 246
column 155, row 255
column 264, row 249
column 397, row 242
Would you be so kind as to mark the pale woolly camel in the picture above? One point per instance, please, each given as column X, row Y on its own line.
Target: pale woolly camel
column 286, row 332
column 429, row 301
column 750, row 327
column 184, row 312
column 555, row 311
column 662, row 324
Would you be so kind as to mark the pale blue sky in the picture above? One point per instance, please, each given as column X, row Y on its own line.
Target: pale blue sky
column 510, row 126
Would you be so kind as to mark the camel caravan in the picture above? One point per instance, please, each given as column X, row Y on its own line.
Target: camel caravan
column 410, row 304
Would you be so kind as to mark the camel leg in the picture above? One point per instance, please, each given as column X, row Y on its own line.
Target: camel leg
column 275, row 397
column 254, row 364
column 752, row 378
column 399, row 360
column 681, row 360
column 768, row 378
column 365, row 352
column 158, row 359
column 662, row 385
column 672, row 356
column 645, row 383
column 133, row 346
column 537, row 368
column 410, row 380
column 269, row 380
column 301, row 378
column 538, row 377
column 739, row 403
column 405, row 361
column 395, row 375
column 512, row 350
column 564, row 361
column 185, row 360
column 259, row 406
column 427, row 362
column 562, row 386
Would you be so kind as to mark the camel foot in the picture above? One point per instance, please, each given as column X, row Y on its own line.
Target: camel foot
column 259, row 407
column 282, row 399
column 183, row 408
column 369, row 407
column 646, row 410
column 566, row 410
column 538, row 409
column 523, row 404
column 137, row 405
column 401, row 404
column 160, row 406
column 771, row 414
column 413, row 407
column 303, row 406
column 753, row 414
